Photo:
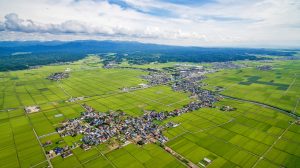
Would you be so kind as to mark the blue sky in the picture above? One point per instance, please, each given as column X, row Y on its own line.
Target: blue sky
column 234, row 23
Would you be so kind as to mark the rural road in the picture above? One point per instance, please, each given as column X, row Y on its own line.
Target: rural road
column 289, row 113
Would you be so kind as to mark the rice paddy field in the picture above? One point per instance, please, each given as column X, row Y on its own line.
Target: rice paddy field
column 251, row 136
column 278, row 87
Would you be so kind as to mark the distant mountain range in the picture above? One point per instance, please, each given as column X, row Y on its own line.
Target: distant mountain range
column 21, row 54
column 87, row 46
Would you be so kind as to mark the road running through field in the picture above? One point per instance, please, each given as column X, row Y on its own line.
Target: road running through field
column 291, row 85
column 264, row 154
column 292, row 114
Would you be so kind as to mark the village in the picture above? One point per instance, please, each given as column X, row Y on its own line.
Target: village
column 264, row 68
column 99, row 127
column 58, row 76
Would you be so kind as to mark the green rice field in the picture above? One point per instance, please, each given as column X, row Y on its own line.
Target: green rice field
column 278, row 87
column 251, row 136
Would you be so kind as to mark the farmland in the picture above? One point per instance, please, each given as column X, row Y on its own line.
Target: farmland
column 278, row 87
column 251, row 136
column 237, row 139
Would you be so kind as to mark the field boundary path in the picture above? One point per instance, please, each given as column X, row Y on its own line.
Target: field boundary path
column 52, row 133
column 48, row 160
column 40, row 143
column 296, row 106
column 180, row 158
column 263, row 155
column 291, row 84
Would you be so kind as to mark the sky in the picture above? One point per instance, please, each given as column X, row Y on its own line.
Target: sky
column 228, row 23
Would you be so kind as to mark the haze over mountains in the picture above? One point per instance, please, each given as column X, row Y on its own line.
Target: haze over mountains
column 113, row 46
column 20, row 55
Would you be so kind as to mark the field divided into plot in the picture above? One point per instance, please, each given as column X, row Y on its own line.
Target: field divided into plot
column 26, row 91
column 230, row 139
column 20, row 147
column 102, row 81
column 149, row 155
column 159, row 98
column 245, row 135
column 30, row 87
column 45, row 121
column 278, row 87
column 32, row 90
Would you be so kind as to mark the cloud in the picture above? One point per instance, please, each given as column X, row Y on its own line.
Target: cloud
column 2, row 26
column 14, row 23
column 183, row 22
column 228, row 19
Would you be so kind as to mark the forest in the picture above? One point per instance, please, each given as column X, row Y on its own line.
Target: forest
column 17, row 55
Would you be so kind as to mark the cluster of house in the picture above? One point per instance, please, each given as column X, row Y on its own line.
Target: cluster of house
column 58, row 151
column 32, row 109
column 227, row 65
column 74, row 99
column 153, row 78
column 264, row 67
column 153, row 115
column 172, row 125
column 157, row 78
column 58, row 76
column 98, row 127
column 47, row 143
column 189, row 80
column 227, row 108
column 190, row 72
column 109, row 65
column 139, row 86
column 88, row 108
column 205, row 162
column 206, row 98
column 64, row 152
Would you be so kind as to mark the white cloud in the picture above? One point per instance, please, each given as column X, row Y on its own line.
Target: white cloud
column 222, row 23
column 12, row 22
column 2, row 26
